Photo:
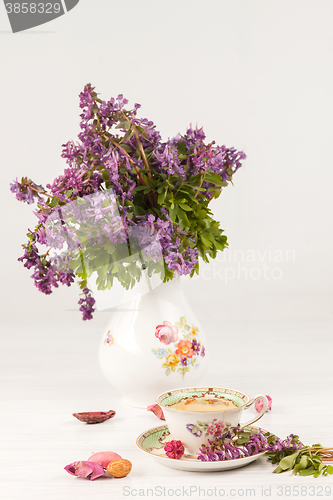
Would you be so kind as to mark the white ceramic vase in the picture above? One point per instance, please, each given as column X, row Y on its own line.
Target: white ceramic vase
column 152, row 344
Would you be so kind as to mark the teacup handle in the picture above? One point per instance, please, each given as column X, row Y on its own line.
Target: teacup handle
column 263, row 411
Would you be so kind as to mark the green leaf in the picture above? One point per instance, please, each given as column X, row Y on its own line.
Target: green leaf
column 161, row 197
column 329, row 469
column 127, row 148
column 54, row 202
column 129, row 134
column 121, row 124
column 182, row 148
column 201, row 214
column 185, row 207
column 278, row 470
column 303, row 463
column 206, row 241
column 289, row 461
column 307, row 472
column 172, row 213
column 137, row 210
column 110, row 247
column 242, row 440
column 214, row 178
column 183, row 220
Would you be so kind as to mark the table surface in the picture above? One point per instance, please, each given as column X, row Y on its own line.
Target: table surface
column 49, row 372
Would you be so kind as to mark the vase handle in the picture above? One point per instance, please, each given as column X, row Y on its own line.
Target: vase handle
column 263, row 411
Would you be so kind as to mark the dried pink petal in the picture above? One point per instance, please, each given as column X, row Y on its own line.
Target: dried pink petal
column 84, row 469
column 94, row 417
column 174, row 449
column 157, row 410
column 259, row 404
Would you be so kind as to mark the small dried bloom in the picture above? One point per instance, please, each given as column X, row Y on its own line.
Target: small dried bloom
column 174, row 449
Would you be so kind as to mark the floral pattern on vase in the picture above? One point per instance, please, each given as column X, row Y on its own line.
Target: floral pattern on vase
column 109, row 339
column 185, row 350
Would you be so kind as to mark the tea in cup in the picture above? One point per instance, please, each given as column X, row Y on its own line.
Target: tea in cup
column 194, row 414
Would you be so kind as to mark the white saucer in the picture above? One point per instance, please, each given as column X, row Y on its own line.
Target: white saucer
column 153, row 441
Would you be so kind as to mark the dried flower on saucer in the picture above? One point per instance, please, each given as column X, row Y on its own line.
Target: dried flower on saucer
column 119, row 468
column 174, row 449
column 94, row 417
column 85, row 469
column 157, row 410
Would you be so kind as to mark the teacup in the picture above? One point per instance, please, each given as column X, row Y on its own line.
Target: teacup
column 194, row 414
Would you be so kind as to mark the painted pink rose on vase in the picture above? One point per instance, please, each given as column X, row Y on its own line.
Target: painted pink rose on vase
column 166, row 333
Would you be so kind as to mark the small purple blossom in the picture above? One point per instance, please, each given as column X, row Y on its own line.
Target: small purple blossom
column 26, row 190
column 87, row 304
column 202, row 353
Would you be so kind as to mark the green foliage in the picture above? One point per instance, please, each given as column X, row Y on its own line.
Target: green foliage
column 307, row 461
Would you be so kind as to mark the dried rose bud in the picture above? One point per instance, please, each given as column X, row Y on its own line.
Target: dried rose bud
column 104, row 458
column 85, row 469
column 259, row 404
column 157, row 410
column 94, row 417
column 174, row 449
column 119, row 468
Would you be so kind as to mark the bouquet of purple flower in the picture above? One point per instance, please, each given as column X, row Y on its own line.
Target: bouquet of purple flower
column 126, row 202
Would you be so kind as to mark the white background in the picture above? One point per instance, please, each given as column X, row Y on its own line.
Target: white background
column 257, row 75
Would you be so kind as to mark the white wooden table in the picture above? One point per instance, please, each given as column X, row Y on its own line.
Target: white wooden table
column 49, row 372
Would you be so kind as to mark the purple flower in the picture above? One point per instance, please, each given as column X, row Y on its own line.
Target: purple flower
column 194, row 429
column 26, row 190
column 30, row 257
column 195, row 347
column 202, row 353
column 45, row 277
column 87, row 304
column 184, row 361
column 66, row 278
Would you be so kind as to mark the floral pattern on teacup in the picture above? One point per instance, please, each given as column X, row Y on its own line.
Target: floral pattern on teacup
column 186, row 348
column 216, row 429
